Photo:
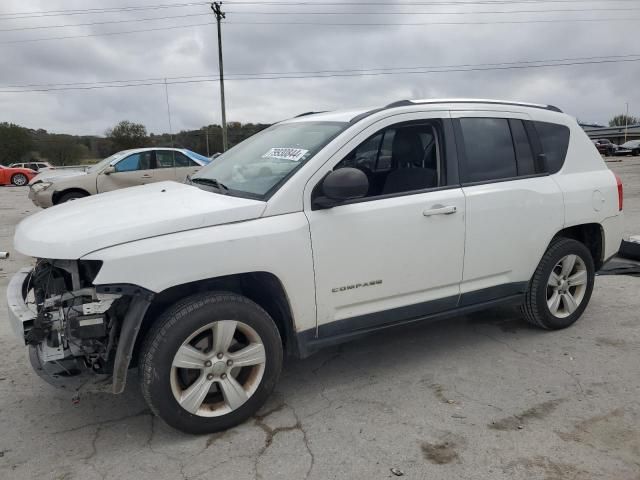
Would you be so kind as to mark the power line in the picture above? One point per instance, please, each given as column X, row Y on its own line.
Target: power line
column 348, row 73
column 315, row 72
column 421, row 24
column 103, row 34
column 16, row 29
column 448, row 2
column 330, row 24
column 474, row 12
column 88, row 11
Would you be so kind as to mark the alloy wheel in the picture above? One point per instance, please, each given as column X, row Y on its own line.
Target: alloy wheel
column 19, row 180
column 218, row 368
column 567, row 286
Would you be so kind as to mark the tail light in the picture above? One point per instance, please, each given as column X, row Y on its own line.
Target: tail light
column 620, row 192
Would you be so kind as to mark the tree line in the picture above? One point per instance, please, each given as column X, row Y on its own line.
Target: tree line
column 21, row 144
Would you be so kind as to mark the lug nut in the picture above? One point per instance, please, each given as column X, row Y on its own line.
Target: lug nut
column 229, row 363
column 223, row 376
column 220, row 355
column 207, row 363
column 210, row 376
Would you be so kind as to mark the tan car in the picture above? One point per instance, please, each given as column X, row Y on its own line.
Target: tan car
column 123, row 169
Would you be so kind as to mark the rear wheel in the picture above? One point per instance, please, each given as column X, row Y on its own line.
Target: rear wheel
column 19, row 180
column 210, row 362
column 561, row 285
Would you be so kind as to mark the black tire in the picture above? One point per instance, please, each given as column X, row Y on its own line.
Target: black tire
column 19, row 180
column 67, row 197
column 176, row 325
column 535, row 308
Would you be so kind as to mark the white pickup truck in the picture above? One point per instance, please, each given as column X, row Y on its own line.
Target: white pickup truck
column 319, row 229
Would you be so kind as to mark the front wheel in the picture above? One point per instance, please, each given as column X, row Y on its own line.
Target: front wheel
column 70, row 196
column 561, row 285
column 210, row 362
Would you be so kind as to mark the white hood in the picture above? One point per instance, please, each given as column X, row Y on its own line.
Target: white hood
column 74, row 229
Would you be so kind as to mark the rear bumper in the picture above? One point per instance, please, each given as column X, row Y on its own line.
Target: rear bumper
column 20, row 315
column 612, row 228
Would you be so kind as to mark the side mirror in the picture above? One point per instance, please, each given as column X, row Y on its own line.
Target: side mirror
column 109, row 170
column 342, row 185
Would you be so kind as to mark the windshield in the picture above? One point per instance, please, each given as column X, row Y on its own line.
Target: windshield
column 103, row 163
column 261, row 163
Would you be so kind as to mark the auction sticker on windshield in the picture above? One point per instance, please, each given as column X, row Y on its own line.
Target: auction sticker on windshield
column 293, row 154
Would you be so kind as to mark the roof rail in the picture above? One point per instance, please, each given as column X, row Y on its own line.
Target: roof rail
column 406, row 103
column 308, row 113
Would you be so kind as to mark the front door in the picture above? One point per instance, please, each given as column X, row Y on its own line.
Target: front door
column 135, row 169
column 396, row 254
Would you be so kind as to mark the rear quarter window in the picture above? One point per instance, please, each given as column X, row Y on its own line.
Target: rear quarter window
column 554, row 139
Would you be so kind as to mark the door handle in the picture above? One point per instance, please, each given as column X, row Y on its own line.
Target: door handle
column 146, row 175
column 439, row 210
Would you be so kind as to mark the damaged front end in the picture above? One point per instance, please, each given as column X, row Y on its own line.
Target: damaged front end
column 72, row 328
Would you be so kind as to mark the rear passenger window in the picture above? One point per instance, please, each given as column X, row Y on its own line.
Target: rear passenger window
column 184, row 161
column 555, row 142
column 489, row 149
column 524, row 154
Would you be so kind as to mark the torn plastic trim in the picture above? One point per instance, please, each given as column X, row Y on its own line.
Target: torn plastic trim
column 20, row 315
column 140, row 303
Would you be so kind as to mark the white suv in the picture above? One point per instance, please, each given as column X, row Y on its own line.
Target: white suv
column 317, row 230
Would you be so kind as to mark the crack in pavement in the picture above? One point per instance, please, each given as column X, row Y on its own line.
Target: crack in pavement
column 573, row 377
column 100, row 423
column 272, row 432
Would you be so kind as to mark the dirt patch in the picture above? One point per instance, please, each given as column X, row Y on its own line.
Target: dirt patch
column 439, row 392
column 615, row 433
column 536, row 412
column 444, row 451
column 610, row 342
column 549, row 470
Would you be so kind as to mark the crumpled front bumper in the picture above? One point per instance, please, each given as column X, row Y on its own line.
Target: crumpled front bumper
column 21, row 317
column 41, row 198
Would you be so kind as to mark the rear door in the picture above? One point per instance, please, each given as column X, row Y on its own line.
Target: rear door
column 513, row 206
column 165, row 165
column 132, row 170
column 174, row 165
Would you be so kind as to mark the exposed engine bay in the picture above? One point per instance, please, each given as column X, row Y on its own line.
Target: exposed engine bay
column 75, row 328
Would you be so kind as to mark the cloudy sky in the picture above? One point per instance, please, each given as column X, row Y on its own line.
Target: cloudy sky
column 182, row 44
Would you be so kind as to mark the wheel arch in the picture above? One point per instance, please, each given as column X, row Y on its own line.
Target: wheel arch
column 263, row 288
column 589, row 234
column 57, row 195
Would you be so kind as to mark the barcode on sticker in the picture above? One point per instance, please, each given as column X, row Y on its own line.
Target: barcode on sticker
column 293, row 154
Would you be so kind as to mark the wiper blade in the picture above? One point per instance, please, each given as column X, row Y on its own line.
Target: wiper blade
column 210, row 181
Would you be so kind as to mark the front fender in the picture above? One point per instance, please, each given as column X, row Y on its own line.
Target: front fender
column 279, row 245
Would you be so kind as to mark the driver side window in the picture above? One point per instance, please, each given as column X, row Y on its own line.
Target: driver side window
column 401, row 158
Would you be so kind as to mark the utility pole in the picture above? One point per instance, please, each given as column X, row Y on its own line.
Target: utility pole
column 626, row 123
column 217, row 10
column 206, row 136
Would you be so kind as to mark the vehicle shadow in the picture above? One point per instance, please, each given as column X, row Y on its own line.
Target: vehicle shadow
column 366, row 361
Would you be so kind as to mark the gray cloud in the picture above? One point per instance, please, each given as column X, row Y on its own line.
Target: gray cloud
column 590, row 92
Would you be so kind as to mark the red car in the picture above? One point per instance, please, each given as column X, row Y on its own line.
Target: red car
column 16, row 176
